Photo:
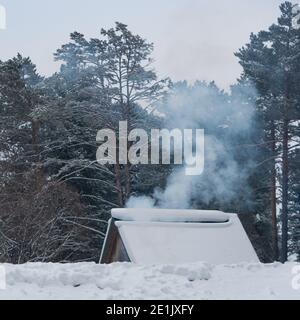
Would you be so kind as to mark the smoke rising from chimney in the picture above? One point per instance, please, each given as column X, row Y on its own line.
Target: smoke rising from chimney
column 225, row 118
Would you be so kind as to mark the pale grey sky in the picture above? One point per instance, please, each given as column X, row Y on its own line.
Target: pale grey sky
column 194, row 39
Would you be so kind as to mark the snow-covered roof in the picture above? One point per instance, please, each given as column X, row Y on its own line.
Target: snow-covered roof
column 169, row 242
column 169, row 215
column 180, row 236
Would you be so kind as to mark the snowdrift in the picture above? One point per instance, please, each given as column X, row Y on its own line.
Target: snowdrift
column 130, row 281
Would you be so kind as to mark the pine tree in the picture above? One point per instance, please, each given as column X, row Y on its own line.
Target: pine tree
column 120, row 65
column 271, row 61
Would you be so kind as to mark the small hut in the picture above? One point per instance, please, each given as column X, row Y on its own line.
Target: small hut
column 150, row 236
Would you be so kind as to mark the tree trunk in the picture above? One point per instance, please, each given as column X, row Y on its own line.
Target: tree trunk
column 273, row 196
column 285, row 175
column 128, row 182
column 36, row 157
column 127, row 166
column 118, row 183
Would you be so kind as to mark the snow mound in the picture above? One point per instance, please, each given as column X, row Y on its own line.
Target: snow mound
column 169, row 215
column 191, row 272
column 131, row 281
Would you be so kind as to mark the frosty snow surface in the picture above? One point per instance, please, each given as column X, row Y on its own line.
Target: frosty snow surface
column 131, row 281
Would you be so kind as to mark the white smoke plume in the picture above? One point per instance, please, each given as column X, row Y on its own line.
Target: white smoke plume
column 221, row 115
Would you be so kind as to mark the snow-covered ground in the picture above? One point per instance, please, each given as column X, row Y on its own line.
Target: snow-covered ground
column 130, row 281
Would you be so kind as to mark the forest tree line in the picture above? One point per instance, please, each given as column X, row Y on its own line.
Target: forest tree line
column 55, row 198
